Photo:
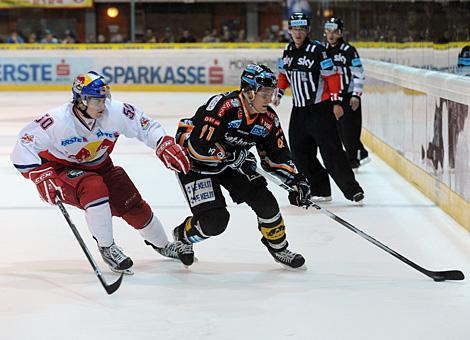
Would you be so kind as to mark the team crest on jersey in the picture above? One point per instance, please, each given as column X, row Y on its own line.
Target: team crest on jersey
column 26, row 139
column 144, row 123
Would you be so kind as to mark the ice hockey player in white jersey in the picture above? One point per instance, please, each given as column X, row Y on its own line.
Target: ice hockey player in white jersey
column 67, row 150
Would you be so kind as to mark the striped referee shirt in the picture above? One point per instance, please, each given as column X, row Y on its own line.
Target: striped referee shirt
column 310, row 73
column 349, row 64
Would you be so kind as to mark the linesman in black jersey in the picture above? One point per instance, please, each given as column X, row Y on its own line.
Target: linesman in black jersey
column 218, row 139
column 347, row 60
column 315, row 83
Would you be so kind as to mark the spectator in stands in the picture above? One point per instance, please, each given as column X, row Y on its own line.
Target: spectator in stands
column 69, row 37
column 149, row 36
column 117, row 38
column 101, row 39
column 15, row 38
column 241, row 35
column 49, row 38
column 227, row 35
column 168, row 36
column 269, row 35
column 210, row 36
column 91, row 38
column 187, row 37
column 32, row 38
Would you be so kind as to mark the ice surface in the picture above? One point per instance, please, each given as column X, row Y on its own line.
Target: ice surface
column 351, row 290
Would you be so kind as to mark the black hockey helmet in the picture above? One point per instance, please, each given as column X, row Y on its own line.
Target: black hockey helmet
column 334, row 24
column 256, row 76
column 299, row 19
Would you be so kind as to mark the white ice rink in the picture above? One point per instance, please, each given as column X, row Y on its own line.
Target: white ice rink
column 351, row 290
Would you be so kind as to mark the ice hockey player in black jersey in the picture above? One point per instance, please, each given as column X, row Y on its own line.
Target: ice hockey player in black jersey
column 346, row 59
column 218, row 139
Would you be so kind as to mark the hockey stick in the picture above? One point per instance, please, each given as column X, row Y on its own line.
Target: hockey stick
column 435, row 275
column 110, row 289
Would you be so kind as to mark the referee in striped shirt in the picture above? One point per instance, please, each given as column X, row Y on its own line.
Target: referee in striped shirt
column 348, row 62
column 315, row 84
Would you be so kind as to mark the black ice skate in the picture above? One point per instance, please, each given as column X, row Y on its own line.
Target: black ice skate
column 184, row 248
column 358, row 197
column 285, row 257
column 167, row 251
column 116, row 260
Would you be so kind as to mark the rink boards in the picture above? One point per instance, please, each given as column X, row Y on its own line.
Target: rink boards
column 417, row 120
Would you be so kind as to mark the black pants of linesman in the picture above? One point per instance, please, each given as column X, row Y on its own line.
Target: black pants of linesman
column 349, row 127
column 314, row 127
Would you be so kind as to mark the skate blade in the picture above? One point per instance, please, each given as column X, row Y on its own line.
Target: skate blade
column 302, row 268
column 365, row 160
column 124, row 271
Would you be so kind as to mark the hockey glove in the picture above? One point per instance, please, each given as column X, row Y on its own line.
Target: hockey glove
column 47, row 182
column 244, row 161
column 173, row 155
column 301, row 193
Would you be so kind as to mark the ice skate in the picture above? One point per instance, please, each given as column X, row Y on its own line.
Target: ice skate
column 358, row 198
column 320, row 199
column 169, row 250
column 117, row 261
column 184, row 249
column 286, row 258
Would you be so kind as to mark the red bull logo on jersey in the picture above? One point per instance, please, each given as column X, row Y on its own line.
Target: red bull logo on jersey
column 92, row 150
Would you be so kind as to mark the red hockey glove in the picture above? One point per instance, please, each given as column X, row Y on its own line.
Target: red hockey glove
column 47, row 182
column 173, row 155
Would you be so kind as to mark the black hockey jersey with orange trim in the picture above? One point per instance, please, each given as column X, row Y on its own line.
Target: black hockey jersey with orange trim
column 222, row 125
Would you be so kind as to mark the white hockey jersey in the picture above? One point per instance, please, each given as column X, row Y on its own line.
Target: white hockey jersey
column 65, row 137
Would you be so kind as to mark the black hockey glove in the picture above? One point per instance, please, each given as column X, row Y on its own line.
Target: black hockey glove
column 244, row 161
column 301, row 193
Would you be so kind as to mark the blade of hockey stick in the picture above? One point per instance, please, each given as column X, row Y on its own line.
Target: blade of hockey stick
column 445, row 275
column 435, row 275
column 110, row 288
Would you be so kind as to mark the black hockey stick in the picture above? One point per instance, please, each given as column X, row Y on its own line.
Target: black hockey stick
column 110, row 289
column 435, row 275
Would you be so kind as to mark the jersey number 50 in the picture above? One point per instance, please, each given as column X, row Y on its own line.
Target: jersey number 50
column 45, row 121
